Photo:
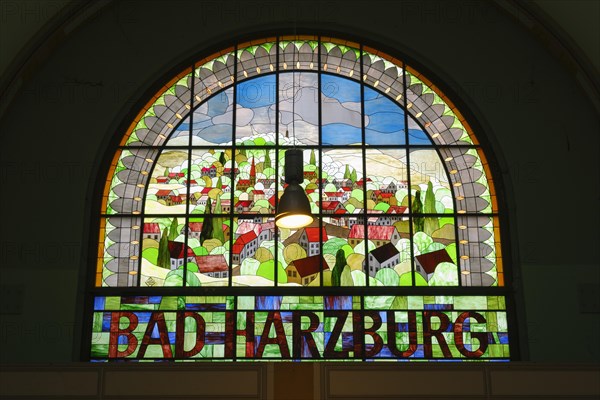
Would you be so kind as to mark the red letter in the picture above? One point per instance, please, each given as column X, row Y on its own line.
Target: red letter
column 156, row 319
column 249, row 333
column 230, row 338
column 481, row 336
column 412, row 334
column 428, row 333
column 116, row 332
column 273, row 318
column 300, row 333
column 358, row 322
column 335, row 334
column 180, row 334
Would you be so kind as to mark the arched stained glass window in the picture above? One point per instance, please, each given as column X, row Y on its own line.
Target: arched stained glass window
column 403, row 260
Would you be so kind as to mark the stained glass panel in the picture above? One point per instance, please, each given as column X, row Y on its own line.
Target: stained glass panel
column 403, row 328
column 255, row 111
column 341, row 111
column 400, row 191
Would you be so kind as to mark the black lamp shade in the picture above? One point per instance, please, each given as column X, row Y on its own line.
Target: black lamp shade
column 293, row 166
column 293, row 210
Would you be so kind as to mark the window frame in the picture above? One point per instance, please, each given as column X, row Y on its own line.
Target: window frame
column 118, row 142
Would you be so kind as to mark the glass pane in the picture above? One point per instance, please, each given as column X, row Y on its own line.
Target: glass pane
column 435, row 253
column 299, row 108
column 254, row 253
column 255, row 111
column 429, row 180
column 468, row 176
column 167, row 192
column 210, row 180
column 384, row 120
column 302, row 254
column 118, row 252
column 479, row 251
column 344, row 171
column 213, row 121
column 341, row 111
column 210, row 240
column 255, row 183
column 387, row 184
column 164, row 254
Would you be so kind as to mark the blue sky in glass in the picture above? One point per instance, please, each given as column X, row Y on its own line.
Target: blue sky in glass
column 255, row 106
column 257, row 92
column 341, row 111
column 384, row 124
column 213, row 119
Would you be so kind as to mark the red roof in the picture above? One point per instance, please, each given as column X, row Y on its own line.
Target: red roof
column 332, row 194
column 176, row 250
column 176, row 198
column 374, row 232
column 206, row 190
column 161, row 179
column 258, row 192
column 312, row 233
column 244, row 203
column 330, row 205
column 431, row 260
column 151, row 227
column 346, row 189
column 162, row 193
column 272, row 201
column 385, row 195
column 244, row 182
column 384, row 252
column 396, row 210
column 309, row 265
column 214, row 263
column 242, row 241
column 176, row 175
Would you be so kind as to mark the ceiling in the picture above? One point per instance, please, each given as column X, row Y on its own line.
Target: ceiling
column 573, row 22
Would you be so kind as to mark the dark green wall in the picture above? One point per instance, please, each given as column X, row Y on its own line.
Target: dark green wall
column 528, row 103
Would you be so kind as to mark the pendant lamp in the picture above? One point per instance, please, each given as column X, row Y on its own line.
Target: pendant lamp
column 293, row 210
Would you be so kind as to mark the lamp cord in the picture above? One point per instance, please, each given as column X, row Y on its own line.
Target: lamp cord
column 294, row 80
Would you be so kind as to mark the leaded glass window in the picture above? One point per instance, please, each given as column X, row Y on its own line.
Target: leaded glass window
column 403, row 260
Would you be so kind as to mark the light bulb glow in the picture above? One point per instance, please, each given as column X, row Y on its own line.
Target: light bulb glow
column 293, row 221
